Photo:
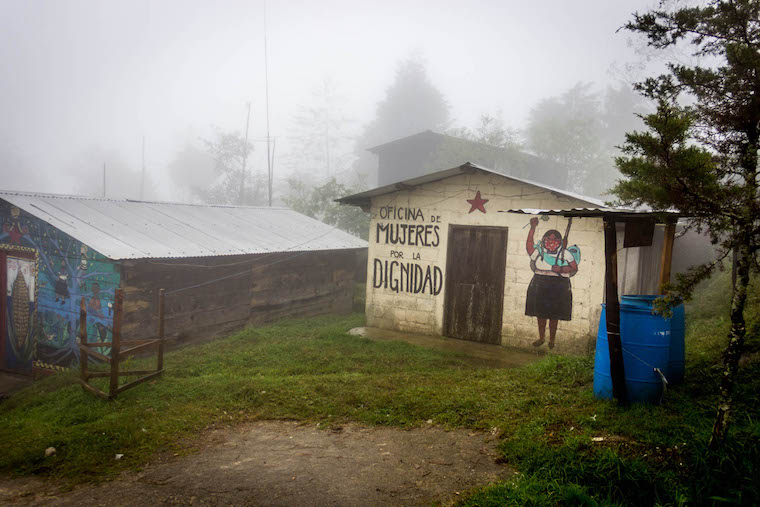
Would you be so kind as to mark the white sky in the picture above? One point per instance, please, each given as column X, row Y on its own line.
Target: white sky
column 80, row 75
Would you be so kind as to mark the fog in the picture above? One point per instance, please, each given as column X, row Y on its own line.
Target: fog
column 84, row 82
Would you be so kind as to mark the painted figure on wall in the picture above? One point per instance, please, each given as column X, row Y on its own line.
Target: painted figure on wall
column 62, row 285
column 13, row 227
column 550, row 296
column 19, row 317
column 66, row 271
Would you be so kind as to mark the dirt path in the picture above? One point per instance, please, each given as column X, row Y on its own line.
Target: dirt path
column 284, row 463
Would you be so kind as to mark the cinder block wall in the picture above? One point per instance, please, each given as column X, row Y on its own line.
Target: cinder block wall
column 442, row 203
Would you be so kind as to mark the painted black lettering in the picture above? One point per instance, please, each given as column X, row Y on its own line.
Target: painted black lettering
column 393, row 228
column 419, row 230
column 394, row 281
column 377, row 281
column 437, row 237
column 381, row 228
column 428, row 283
column 437, row 280
column 418, row 278
column 404, row 276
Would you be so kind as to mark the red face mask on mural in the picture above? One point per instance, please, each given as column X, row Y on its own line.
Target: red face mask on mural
column 552, row 243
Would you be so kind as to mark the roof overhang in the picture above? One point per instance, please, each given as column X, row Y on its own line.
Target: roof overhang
column 363, row 199
column 616, row 214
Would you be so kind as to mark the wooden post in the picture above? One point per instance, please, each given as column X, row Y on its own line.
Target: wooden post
column 116, row 342
column 667, row 255
column 160, row 365
column 617, row 371
column 3, row 308
column 83, row 357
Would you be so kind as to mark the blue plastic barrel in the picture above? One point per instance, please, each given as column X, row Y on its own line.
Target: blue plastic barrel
column 602, row 378
column 646, row 341
column 676, row 360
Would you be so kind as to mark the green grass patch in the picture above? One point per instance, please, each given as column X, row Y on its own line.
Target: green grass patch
column 308, row 370
column 311, row 370
column 649, row 455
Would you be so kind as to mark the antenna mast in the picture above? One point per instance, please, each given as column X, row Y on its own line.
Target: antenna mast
column 142, row 180
column 245, row 158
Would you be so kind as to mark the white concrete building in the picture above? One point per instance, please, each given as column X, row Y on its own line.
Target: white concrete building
column 444, row 260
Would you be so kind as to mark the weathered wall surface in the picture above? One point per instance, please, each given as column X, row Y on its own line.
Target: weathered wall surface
column 60, row 271
column 254, row 290
column 409, row 234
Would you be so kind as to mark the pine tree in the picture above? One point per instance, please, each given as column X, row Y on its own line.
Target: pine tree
column 412, row 104
column 703, row 159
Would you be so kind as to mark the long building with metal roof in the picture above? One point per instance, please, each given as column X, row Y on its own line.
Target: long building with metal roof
column 222, row 267
column 129, row 229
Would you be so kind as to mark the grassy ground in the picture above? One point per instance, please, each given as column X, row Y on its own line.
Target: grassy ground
column 311, row 370
column 650, row 455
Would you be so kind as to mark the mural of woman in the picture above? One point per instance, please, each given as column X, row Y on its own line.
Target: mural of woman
column 550, row 296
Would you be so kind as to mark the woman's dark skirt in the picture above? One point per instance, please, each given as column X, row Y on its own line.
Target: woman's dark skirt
column 549, row 297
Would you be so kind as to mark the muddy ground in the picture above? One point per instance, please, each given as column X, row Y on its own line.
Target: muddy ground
column 286, row 463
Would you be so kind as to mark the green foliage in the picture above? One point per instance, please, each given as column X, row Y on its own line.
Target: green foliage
column 235, row 183
column 703, row 159
column 664, row 169
column 580, row 130
column 650, row 454
column 491, row 144
column 319, row 202
column 311, row 370
column 412, row 104
column 192, row 168
column 321, row 145
column 490, row 132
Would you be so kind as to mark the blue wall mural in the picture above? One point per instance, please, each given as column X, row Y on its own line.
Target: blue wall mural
column 65, row 271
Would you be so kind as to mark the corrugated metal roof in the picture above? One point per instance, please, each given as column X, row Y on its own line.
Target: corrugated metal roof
column 363, row 198
column 621, row 213
column 127, row 229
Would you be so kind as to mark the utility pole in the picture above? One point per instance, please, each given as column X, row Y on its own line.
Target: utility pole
column 241, row 199
column 142, row 180
column 266, row 90
column 104, row 179
column 327, row 141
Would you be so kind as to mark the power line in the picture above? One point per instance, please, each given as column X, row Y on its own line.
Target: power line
column 237, row 274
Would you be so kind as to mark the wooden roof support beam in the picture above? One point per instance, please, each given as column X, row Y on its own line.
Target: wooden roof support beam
column 666, row 261
column 617, row 371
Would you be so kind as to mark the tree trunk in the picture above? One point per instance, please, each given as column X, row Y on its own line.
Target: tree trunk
column 733, row 351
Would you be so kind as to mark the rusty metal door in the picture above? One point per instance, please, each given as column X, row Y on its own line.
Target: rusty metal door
column 474, row 299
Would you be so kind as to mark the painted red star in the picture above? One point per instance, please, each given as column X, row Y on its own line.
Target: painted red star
column 477, row 203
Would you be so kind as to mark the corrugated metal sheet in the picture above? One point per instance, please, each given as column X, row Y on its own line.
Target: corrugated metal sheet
column 125, row 229
column 600, row 212
column 363, row 198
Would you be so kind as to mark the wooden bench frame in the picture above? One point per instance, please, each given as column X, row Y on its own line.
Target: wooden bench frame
column 120, row 350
